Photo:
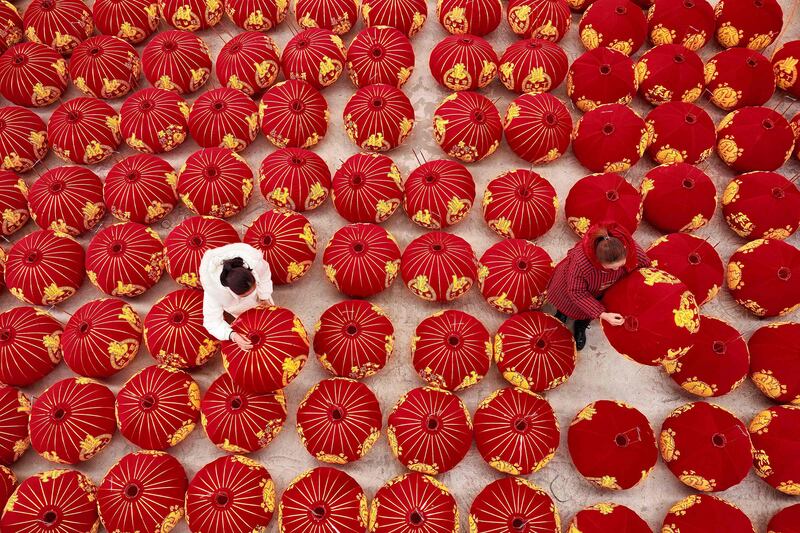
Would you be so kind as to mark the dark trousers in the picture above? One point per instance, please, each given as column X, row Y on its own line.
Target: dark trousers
column 578, row 325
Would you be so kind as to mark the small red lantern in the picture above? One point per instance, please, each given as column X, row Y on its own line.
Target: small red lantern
column 739, row 77
column 678, row 197
column 378, row 117
column 287, row 241
column 256, row 15
column 280, row 349
column 215, row 182
column 669, row 73
column 699, row 513
column 775, row 361
column 44, row 268
column 11, row 21
column 84, row 131
column 538, row 127
column 367, row 188
column 785, row 65
column 380, row 54
column 15, row 409
column 762, row 205
column 785, row 520
column 333, row 498
column 250, row 62
column 439, row 267
column 513, row 503
column 153, row 121
column 361, row 260
column 189, row 241
column 754, row 138
column 314, row 55
column 680, row 132
column 353, row 339
column 131, row 20
column 764, row 277
column 23, row 139
column 600, row 197
column 13, row 203
column 463, row 62
column 776, row 439
column 407, row 16
column 439, row 194
column 475, row 17
column 190, row 15
column 225, row 118
column 101, row 338
column 540, row 19
column 338, row 16
column 67, row 199
column 413, row 501
column 691, row 259
column 105, row 67
column 140, row 188
column 610, row 138
column 30, row 345
column 174, row 331
column 467, row 126
column 748, row 23
column 603, row 517
column 513, row 275
column 601, row 76
column 178, row 61
column 32, row 75
column 72, row 421
column 294, row 178
column 293, row 114
column 520, row 204
column 60, row 25
column 339, row 420
column 690, row 24
column 616, row 24
column 533, row 66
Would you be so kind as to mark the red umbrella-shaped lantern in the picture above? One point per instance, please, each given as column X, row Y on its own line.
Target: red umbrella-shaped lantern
column 294, row 178
column 413, row 501
column 786, row 520
column 174, row 331
column 698, row 514
column 520, row 204
column 84, row 131
column 158, row 407
column 407, row 16
column 339, row 420
column 287, row 241
column 44, row 268
column 677, row 21
column 754, row 138
column 250, row 62
column 678, row 197
column 353, row 339
column 140, row 188
column 439, row 267
column 216, row 182
column 190, row 15
column 153, row 120
column 13, row 203
column 748, row 23
column 237, row 421
column 380, row 54
column 601, row 76
column 224, row 117
column 513, row 275
column 230, row 494
column 61, row 25
column 329, row 497
column 280, row 349
column 338, row 16
column 378, row 117
column 706, row 447
column 661, row 316
column 538, row 127
column 474, row 17
column 610, row 138
column 691, row 259
column 294, row 114
column 533, row 66
column 534, row 351
column 367, row 188
column 361, row 260
column 513, row 504
column 8, row 482
column 101, row 338
column 15, row 409
column 67, row 199
column 439, row 194
column 603, row 517
column 680, row 132
column 105, row 67
column 463, row 62
column 144, row 489
column 739, row 77
column 612, row 445
column 764, row 277
column 23, row 139
column 189, row 241
column 256, row 15
column 670, row 73
column 776, row 439
column 30, row 345
column 315, row 55
column 125, row 259
column 762, row 205
column 616, row 24
column 132, row 20
column 600, row 197
column 516, row 431
column 775, row 361
column 539, row 19
column 72, row 420
column 784, row 65
column 11, row 21
column 32, row 75
column 177, row 61
column 467, row 126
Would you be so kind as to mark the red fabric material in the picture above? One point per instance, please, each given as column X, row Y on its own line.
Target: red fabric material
column 294, row 114
column 675, row 21
column 616, row 24
column 508, row 499
column 776, row 440
column 601, row 76
column 380, row 55
column 190, row 15
column 407, row 16
column 478, row 17
column 24, row 66
column 287, row 241
column 342, row 500
column 11, row 20
column 533, row 66
column 539, row 19
column 775, row 361
column 378, row 117
column 256, row 15
column 132, row 20
column 764, row 277
column 599, row 198
column 413, row 501
column 762, row 205
column 105, row 67
column 367, row 188
column 670, row 72
column 463, row 62
column 153, row 120
column 67, row 199
column 23, row 139
column 537, row 127
column 178, row 61
column 8, row 482
column 89, row 139
column 361, row 260
column 224, row 117
column 754, row 138
column 140, row 188
column 305, row 54
column 785, row 66
column 439, row 267
column 188, row 241
column 513, row 275
column 701, row 513
column 439, row 193
column 610, row 138
column 691, row 259
column 61, row 25
column 680, row 132
column 339, row 16
column 467, row 126
column 748, row 24
column 294, row 178
column 605, row 517
column 520, row 204
column 15, row 411
column 678, row 197
column 13, row 202
column 739, row 77
column 786, row 520
column 216, row 182
column 250, row 62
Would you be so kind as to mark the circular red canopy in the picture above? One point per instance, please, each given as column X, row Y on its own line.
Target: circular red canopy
column 670, row 73
column 361, row 260
column 677, row 21
column 153, row 120
column 326, row 497
column 775, row 361
column 703, row 513
column 617, row 24
column 463, row 62
column 24, row 67
column 601, row 76
column 12, row 21
column 467, row 126
column 739, row 77
column 23, row 138
column 294, row 178
column 256, row 15
column 764, row 277
column 216, row 182
column 190, row 15
column 132, row 20
column 605, row 517
column 378, row 117
column 776, row 440
column 678, row 197
column 407, row 16
column 250, row 62
column 784, row 65
column 762, row 205
column 514, row 504
column 13, row 202
column 439, row 267
column 680, row 132
column 294, row 114
column 538, row 127
column 84, row 131
column 178, row 61
column 543, row 19
column 15, row 411
column 439, row 193
column 379, row 54
column 597, row 198
column 533, row 66
column 748, row 24
column 287, row 241
column 610, row 138
column 367, row 188
column 480, row 17
column 30, row 345
column 140, row 188
column 413, row 501
column 786, row 520
column 8, row 482
column 105, row 67
column 61, row 25
column 754, row 138
column 315, row 55
column 520, row 204
column 513, row 275
column 691, row 259
column 67, row 199
column 224, row 117
column 189, row 241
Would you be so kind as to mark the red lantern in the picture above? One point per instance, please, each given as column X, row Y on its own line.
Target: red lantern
column 670, row 73
column 23, row 139
column 439, row 267
column 84, row 131
column 616, row 24
column 739, row 77
column 231, row 493
column 513, row 275
column 760, row 277
column 105, row 67
column 32, row 75
column 361, row 260
column 353, row 339
column 67, row 200
column 154, row 120
column 131, row 20
column 380, row 54
column 44, row 268
column 463, row 62
column 237, row 421
column 11, row 21
column 224, row 117
column 754, row 138
column 706, row 447
column 661, row 316
column 140, row 188
column 189, row 241
column 698, row 514
column 776, row 441
column 786, row 520
column 691, row 259
column 101, row 338
column 378, row 117
column 338, row 16
column 215, row 182
column 680, row 132
column 125, row 259
column 762, row 205
column 748, row 23
column 60, row 25
column 475, row 17
column 413, row 501
column 514, row 502
column 690, row 24
column 407, row 16
column 15, row 409
column 280, row 349
column 539, row 19
column 367, row 188
column 467, row 126
column 784, row 65
column 72, row 421
column 8, row 482
column 294, row 178
column 610, row 138
column 250, row 62
column 190, row 15
column 538, row 127
column 145, row 489
column 601, row 76
column 256, row 15
column 678, row 197
column 603, row 517
column 30, row 345
column 177, row 61
column 293, row 114
column 600, row 197
column 339, row 420
column 439, row 194
column 333, row 498
column 775, row 361
column 287, row 241
column 533, row 66
column 174, row 331
column 314, row 55
column 13, row 202
column 520, row 204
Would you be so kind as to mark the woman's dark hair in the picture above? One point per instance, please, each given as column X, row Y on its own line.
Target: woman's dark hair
column 608, row 249
column 236, row 276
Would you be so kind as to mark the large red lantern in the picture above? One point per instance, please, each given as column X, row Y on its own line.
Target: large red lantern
column 413, row 501
column 105, row 67
column 178, row 61
column 538, row 127
column 140, row 188
column 216, row 182
column 361, row 260
column 407, row 16
column 600, row 197
column 785, row 520
column 690, row 24
column 699, row 513
column 520, row 204
column 785, row 65
column 11, row 21
column 691, row 259
column 601, row 76
column 23, row 139
column 287, row 241
column 154, row 120
column 463, row 62
column 314, row 55
column 84, row 131
column 293, row 114
column 224, row 117
column 61, row 25
column 294, row 178
column 439, row 194
column 338, row 16
column 513, row 275
column 475, row 17
column 616, row 24
column 533, row 66
column 439, row 267
column 610, row 138
column 189, row 241
column 280, row 349
column 739, row 77
column 539, row 19
column 762, row 205
column 67, row 199
column 680, row 132
column 603, row 517
column 467, row 126
column 13, row 202
column 256, row 15
column 334, row 499
column 775, row 361
column 754, row 138
column 748, row 23
column 513, row 503
column 30, row 345
column 378, row 117
column 32, row 75
column 678, row 197
column 367, row 188
column 101, row 338
column 776, row 439
column 670, row 73
column 131, row 20
column 250, row 62
column 8, row 482
column 190, row 15
column 380, row 54
column 15, row 409
column 764, row 277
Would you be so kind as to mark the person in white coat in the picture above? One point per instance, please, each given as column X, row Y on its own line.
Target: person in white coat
column 235, row 278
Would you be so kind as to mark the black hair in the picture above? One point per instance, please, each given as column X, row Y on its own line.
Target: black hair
column 237, row 277
column 609, row 249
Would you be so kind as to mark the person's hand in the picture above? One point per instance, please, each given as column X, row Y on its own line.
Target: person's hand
column 615, row 319
column 242, row 341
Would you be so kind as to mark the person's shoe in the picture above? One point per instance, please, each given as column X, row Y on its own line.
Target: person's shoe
column 580, row 333
column 561, row 316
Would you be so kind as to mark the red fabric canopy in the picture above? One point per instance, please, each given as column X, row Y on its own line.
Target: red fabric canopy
column 616, row 24
column 680, row 132
column 601, row 76
column 463, row 62
column 538, row 127
column 23, row 138
column 407, row 16
column 132, row 20
column 762, row 205
column 25, row 67
column 605, row 517
column 514, row 504
column 379, row 55
column 439, row 267
column 178, row 61
column 439, row 193
column 105, row 67
column 361, row 260
column 775, row 361
column 315, row 55
column 533, row 66
column 89, row 139
column 701, row 513
column 224, row 117
column 140, row 188
column 287, row 241
column 15, row 411
column 467, row 126
column 333, row 498
column 154, row 120
column 250, row 62
column 764, row 277
column 30, row 345
column 479, row 17
column 367, row 188
column 676, row 21
column 692, row 260
column 188, row 241
column 513, row 275
column 678, row 197
column 413, row 501
column 776, row 440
